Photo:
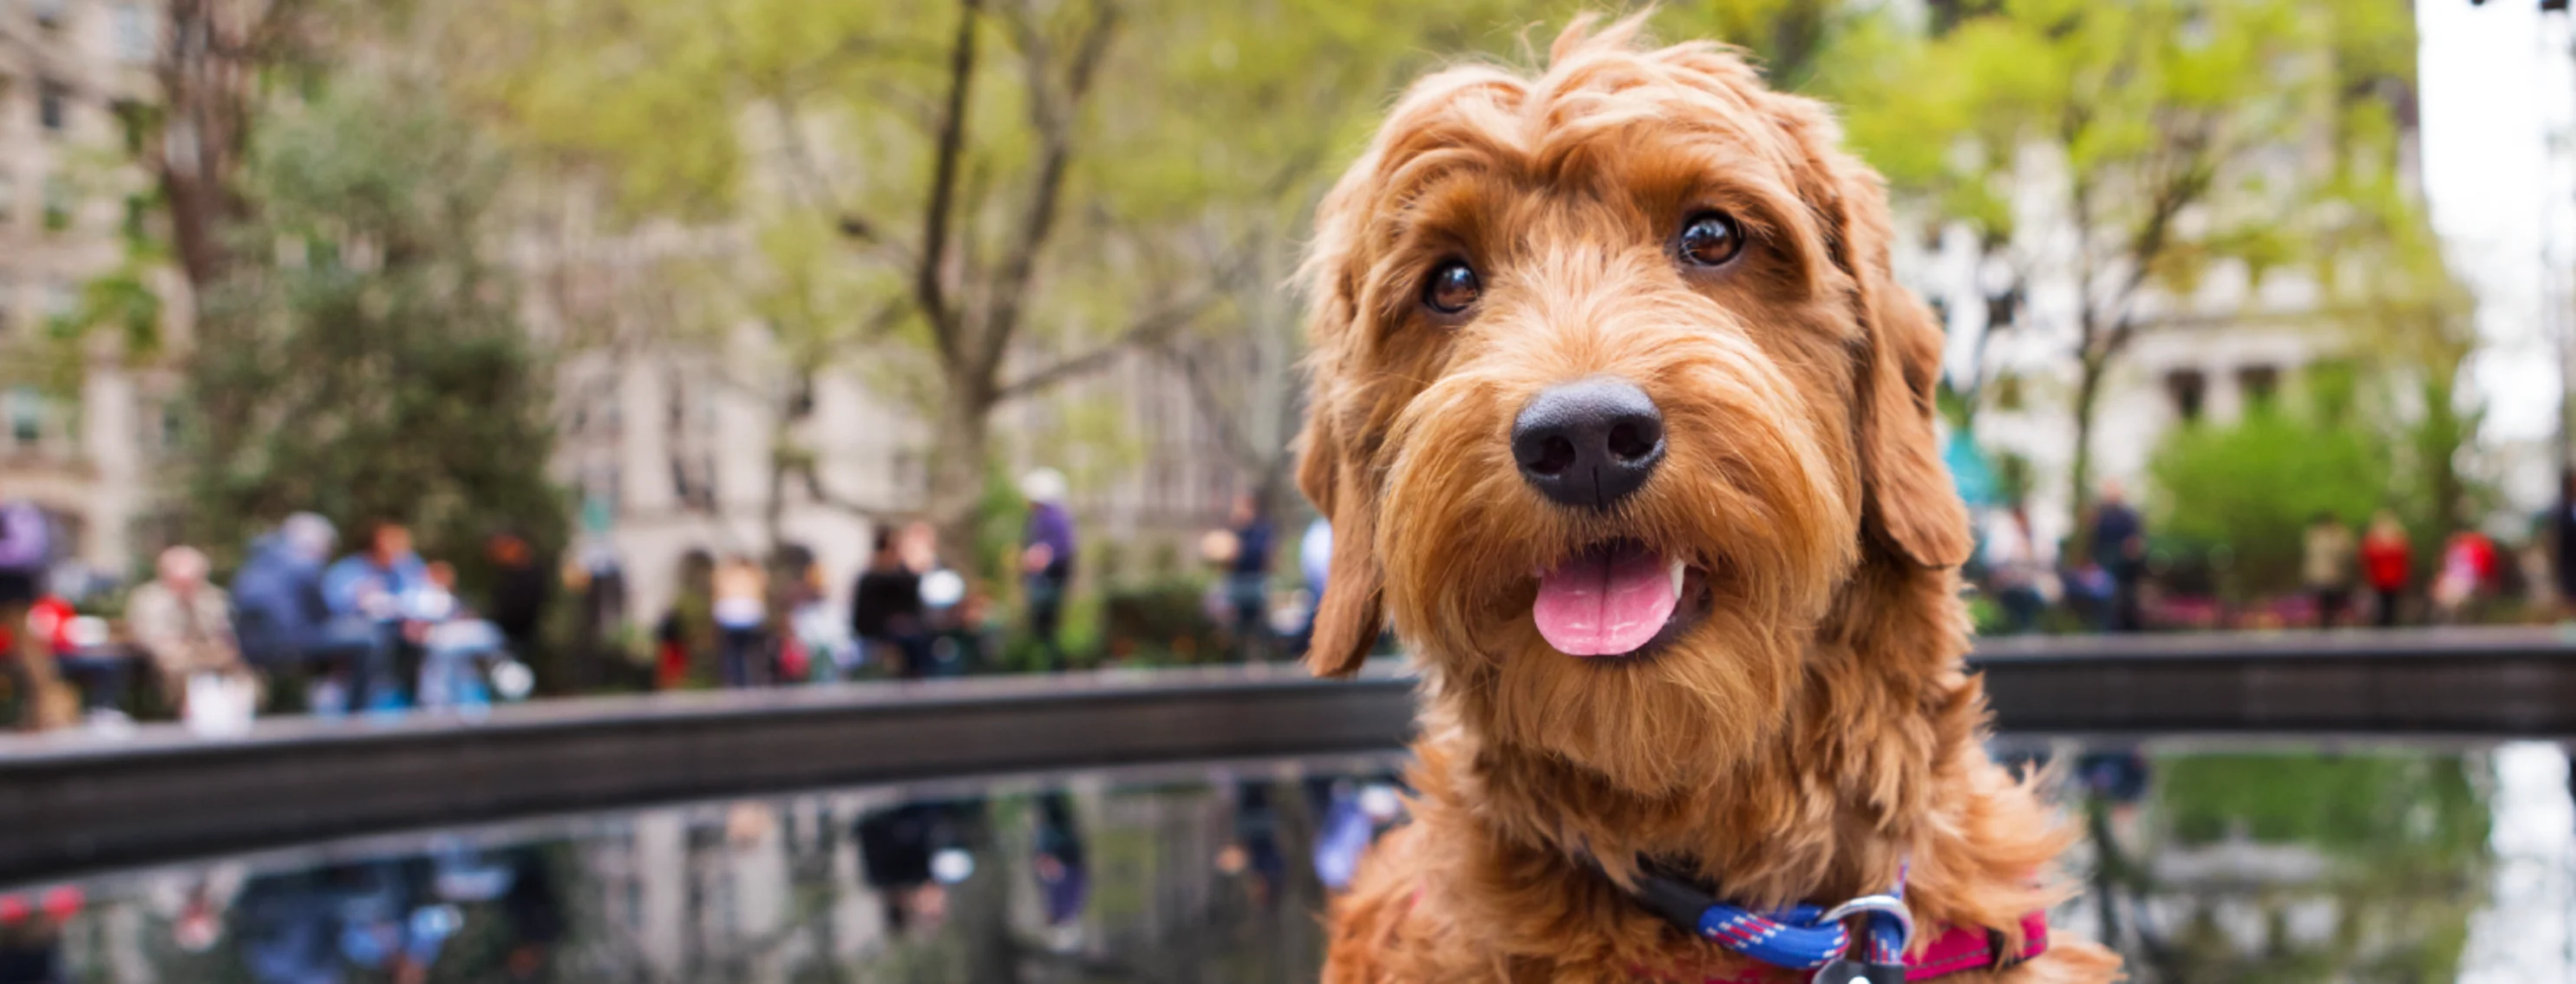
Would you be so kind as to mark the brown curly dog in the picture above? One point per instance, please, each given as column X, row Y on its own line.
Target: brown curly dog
column 1621, row 421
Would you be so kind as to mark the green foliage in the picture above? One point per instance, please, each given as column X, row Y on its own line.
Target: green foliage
column 364, row 359
column 1160, row 622
column 2157, row 142
column 2253, row 486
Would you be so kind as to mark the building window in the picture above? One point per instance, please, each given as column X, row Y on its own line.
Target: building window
column 26, row 417
column 62, row 303
column 53, row 106
column 136, row 40
column 58, row 203
column 2258, row 384
column 2188, row 388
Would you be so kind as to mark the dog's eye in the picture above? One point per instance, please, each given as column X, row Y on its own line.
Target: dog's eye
column 1709, row 239
column 1452, row 288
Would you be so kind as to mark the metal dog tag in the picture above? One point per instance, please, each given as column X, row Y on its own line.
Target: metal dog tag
column 1848, row 971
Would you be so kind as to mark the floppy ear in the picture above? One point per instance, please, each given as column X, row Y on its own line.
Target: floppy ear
column 1347, row 618
column 1913, row 506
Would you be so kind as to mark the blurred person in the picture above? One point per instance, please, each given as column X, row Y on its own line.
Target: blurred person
column 1314, row 565
column 912, row 852
column 596, row 576
column 1315, row 554
column 2386, row 561
column 955, row 618
column 1046, row 560
column 2467, row 569
column 2120, row 546
column 454, row 643
column 31, row 935
column 185, row 627
column 369, row 586
column 281, row 616
column 686, row 637
column 1353, row 811
column 740, row 608
column 2015, row 570
column 2327, row 561
column 810, row 641
column 1058, row 859
column 391, row 919
column 521, row 589
column 283, row 927
column 886, row 611
column 1247, row 579
column 1254, row 853
column 26, row 553
column 535, row 911
column 96, row 670
column 2563, row 525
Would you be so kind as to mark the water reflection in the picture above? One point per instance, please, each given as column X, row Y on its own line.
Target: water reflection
column 2235, row 866
column 2208, row 862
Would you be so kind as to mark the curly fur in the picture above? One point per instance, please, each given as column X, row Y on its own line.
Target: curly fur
column 1814, row 730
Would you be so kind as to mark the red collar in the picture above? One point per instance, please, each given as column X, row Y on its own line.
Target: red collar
column 1956, row 950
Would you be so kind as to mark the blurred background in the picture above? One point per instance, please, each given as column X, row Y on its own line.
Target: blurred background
column 2256, row 309
column 399, row 359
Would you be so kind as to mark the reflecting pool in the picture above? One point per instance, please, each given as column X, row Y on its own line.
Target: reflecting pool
column 2207, row 860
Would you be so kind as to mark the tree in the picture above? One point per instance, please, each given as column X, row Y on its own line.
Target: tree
column 212, row 67
column 360, row 355
column 946, row 153
column 2252, row 486
column 2129, row 150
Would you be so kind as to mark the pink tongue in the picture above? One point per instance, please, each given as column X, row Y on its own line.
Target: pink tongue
column 1606, row 602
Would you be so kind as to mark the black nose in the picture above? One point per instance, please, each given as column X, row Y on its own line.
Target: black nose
column 1589, row 443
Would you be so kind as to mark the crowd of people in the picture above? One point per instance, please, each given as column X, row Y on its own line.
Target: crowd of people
column 377, row 629
column 2106, row 578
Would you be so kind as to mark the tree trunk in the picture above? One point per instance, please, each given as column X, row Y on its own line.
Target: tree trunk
column 2088, row 392
column 2442, row 433
column 788, row 455
column 959, row 457
column 773, row 511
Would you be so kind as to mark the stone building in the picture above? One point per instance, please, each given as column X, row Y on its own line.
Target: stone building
column 82, row 429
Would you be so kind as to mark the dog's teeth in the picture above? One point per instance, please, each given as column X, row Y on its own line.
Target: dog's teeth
column 1677, row 579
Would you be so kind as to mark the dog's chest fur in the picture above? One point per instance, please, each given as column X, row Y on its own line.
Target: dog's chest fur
column 1482, row 885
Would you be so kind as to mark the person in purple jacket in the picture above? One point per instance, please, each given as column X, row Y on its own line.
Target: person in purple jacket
column 1046, row 560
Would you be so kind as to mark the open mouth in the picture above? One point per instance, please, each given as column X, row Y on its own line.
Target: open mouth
column 1618, row 598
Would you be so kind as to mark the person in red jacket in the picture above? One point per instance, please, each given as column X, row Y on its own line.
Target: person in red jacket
column 2385, row 559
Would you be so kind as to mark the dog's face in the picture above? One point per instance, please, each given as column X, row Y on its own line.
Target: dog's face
column 1612, row 396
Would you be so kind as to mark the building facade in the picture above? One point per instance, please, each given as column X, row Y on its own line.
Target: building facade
column 83, row 424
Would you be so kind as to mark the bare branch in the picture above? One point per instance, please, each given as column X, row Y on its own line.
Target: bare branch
column 949, row 150
column 1053, row 105
column 815, row 490
column 1148, row 330
column 1213, row 408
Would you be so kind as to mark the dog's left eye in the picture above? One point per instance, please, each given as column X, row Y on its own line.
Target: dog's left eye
column 1709, row 239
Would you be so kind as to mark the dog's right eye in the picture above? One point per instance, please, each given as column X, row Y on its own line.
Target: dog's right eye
column 1452, row 288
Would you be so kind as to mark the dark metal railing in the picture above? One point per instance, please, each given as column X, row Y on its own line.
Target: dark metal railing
column 77, row 803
